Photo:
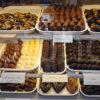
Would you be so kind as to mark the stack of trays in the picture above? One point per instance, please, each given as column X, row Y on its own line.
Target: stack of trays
column 53, row 62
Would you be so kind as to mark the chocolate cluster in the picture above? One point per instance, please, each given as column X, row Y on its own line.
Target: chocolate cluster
column 52, row 57
column 93, row 19
column 80, row 55
column 17, row 21
column 11, row 55
column 67, row 18
column 71, row 86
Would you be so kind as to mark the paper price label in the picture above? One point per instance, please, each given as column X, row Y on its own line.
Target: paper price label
column 12, row 77
column 63, row 38
column 54, row 78
column 46, row 17
column 91, row 78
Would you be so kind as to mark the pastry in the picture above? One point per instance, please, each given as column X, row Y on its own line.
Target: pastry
column 58, row 86
column 72, row 85
column 52, row 59
column 45, row 87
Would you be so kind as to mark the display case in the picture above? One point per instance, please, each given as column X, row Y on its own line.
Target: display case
column 49, row 49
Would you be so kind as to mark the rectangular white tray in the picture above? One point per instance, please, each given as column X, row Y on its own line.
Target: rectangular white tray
column 23, row 9
column 26, row 69
column 51, row 92
column 86, row 95
column 88, row 7
column 58, row 32
column 19, row 92
column 79, row 70
column 65, row 69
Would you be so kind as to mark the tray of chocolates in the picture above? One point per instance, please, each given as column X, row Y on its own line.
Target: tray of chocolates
column 19, row 19
column 20, row 88
column 53, row 57
column 61, row 20
column 90, row 90
column 69, row 88
column 92, row 18
column 83, row 55
column 20, row 56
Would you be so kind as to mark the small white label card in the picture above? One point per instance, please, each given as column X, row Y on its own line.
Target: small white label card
column 91, row 78
column 12, row 77
column 54, row 78
column 46, row 17
column 63, row 38
column 73, row 2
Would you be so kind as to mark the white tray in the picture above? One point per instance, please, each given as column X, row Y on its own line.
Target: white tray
column 88, row 71
column 88, row 95
column 83, row 10
column 58, row 32
column 52, row 92
column 17, row 92
column 23, row 9
column 78, row 70
column 20, row 92
column 65, row 69
column 26, row 69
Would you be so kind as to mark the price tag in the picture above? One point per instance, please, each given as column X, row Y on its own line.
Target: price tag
column 73, row 2
column 46, row 17
column 54, row 78
column 12, row 77
column 91, row 78
column 63, row 38
column 18, row 99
